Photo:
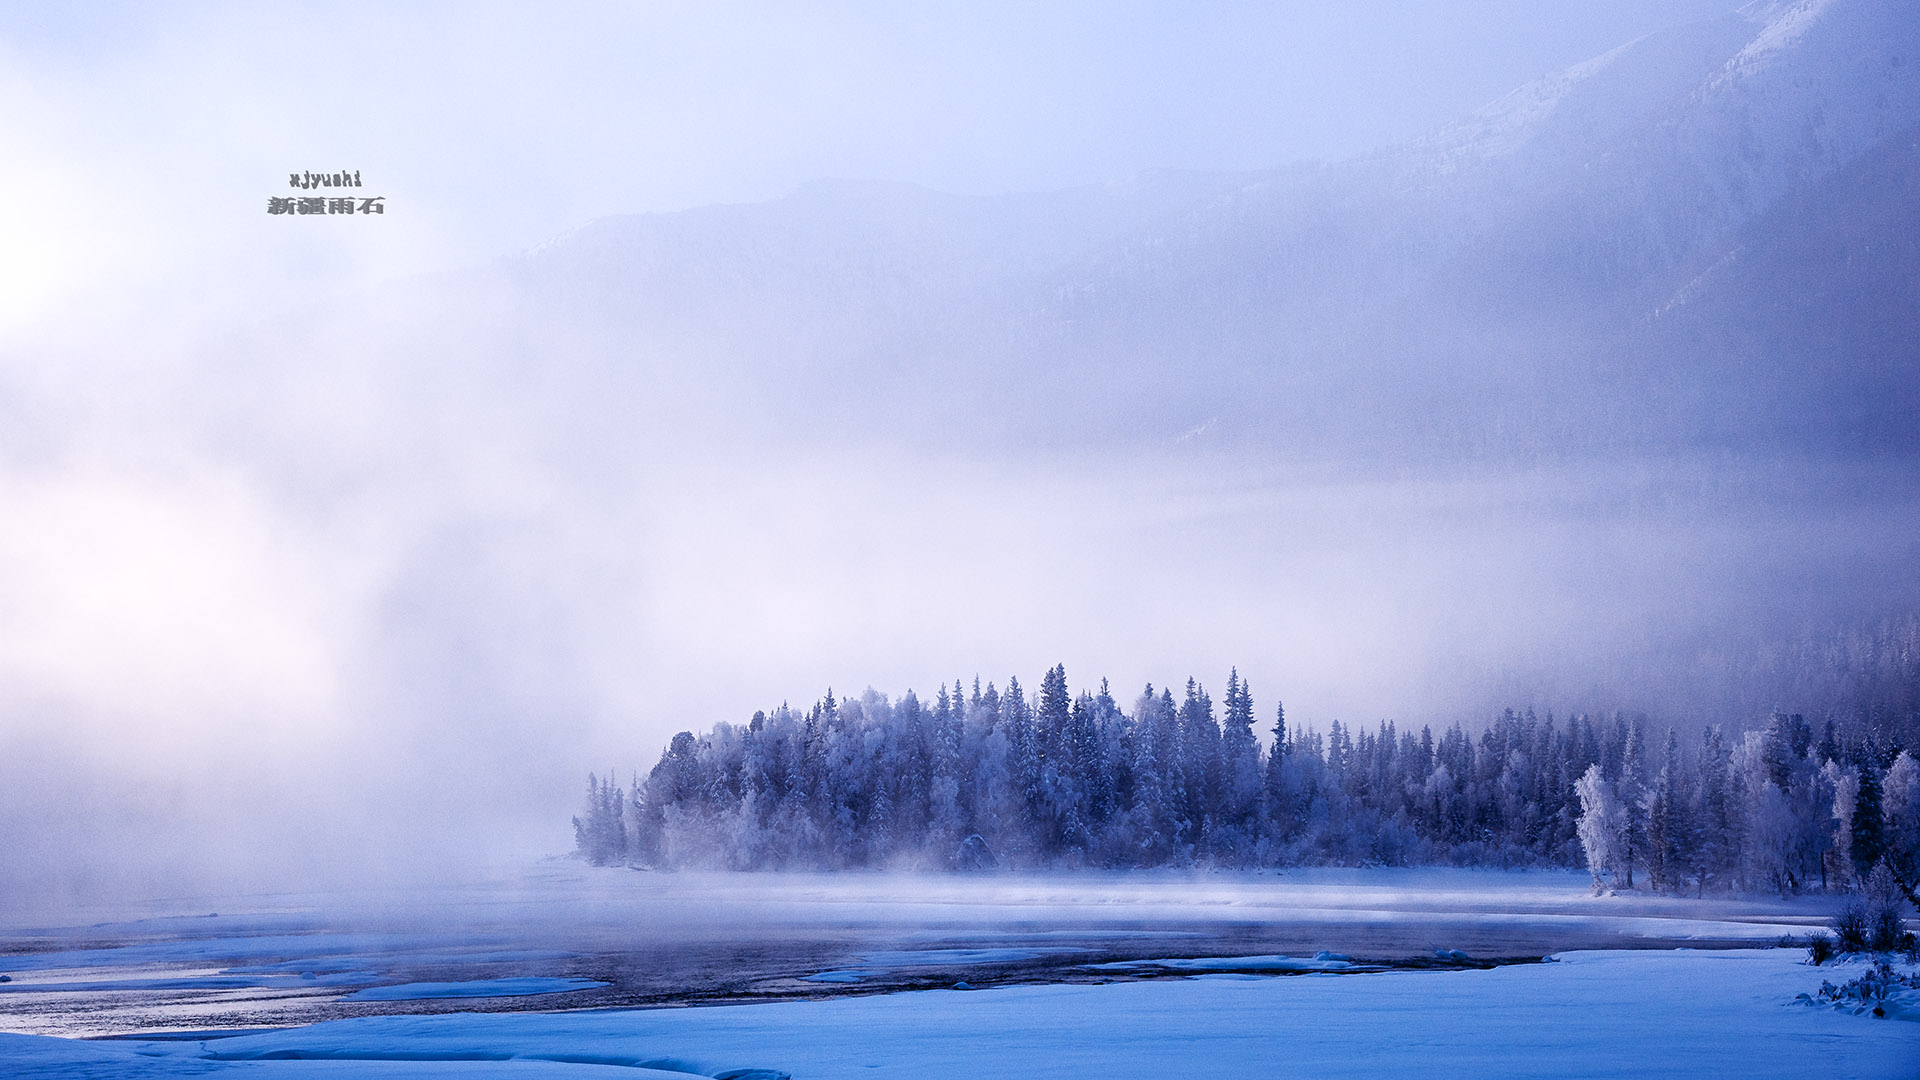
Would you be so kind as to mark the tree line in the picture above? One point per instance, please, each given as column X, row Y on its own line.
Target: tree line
column 986, row 776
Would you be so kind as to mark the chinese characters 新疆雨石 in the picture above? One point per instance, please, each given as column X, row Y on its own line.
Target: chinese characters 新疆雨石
column 297, row 205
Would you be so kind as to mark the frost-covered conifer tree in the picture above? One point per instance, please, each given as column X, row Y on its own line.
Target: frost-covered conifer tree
column 1632, row 789
column 1717, row 852
column 1671, row 835
column 945, row 819
column 600, row 831
column 1844, row 785
column 1240, row 773
column 1199, row 754
column 1055, row 793
column 1767, row 852
column 1157, row 822
column 1275, row 789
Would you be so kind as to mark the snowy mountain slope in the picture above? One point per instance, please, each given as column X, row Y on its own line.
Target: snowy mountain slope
column 1603, row 98
column 1591, row 182
column 1823, row 291
column 1485, row 291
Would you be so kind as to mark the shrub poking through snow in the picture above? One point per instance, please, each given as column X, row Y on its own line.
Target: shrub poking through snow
column 1872, row 920
column 1819, row 948
column 1872, row 992
column 1850, row 926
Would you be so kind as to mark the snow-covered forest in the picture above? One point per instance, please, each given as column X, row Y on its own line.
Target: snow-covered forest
column 984, row 775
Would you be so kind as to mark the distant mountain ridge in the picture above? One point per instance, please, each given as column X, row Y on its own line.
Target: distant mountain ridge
column 1539, row 278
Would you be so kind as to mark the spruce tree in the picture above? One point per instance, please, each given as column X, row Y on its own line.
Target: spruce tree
column 1719, row 826
column 1052, row 718
column 1632, row 790
column 1240, row 766
column 1868, row 839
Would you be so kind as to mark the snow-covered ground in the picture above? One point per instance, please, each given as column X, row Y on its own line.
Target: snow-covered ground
column 1617, row 1013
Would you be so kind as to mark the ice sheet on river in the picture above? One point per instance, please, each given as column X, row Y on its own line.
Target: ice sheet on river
column 1650, row 1013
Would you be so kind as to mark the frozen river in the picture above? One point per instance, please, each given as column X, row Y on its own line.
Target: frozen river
column 559, row 935
column 547, row 971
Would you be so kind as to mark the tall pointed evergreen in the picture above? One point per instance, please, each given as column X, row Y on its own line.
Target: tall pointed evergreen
column 1632, row 790
column 1240, row 780
column 1867, row 840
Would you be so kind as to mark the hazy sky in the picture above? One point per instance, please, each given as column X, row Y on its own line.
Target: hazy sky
column 143, row 139
column 413, row 617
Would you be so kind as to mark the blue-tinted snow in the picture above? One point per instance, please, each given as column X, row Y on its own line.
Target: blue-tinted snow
column 1619, row 1014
